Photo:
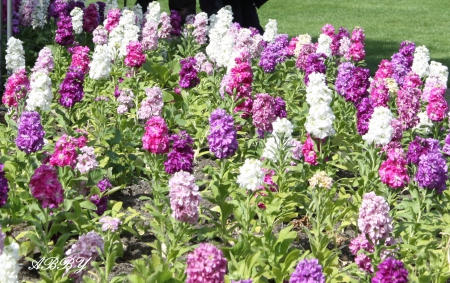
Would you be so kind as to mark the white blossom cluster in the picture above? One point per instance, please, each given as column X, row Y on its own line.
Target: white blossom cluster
column 420, row 64
column 153, row 12
column 77, row 20
column 271, row 31
column 123, row 33
column 380, row 129
column 251, row 175
column 39, row 15
column 9, row 266
column 439, row 71
column 324, row 45
column 110, row 4
column 217, row 31
column 281, row 139
column 100, row 66
column 40, row 94
column 15, row 56
column 301, row 40
column 319, row 122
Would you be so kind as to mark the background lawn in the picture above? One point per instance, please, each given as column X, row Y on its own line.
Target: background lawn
column 386, row 23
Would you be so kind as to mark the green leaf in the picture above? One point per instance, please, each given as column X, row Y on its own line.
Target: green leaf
column 88, row 205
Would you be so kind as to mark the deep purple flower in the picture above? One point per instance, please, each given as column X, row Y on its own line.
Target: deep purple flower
column 402, row 61
column 222, row 138
column 71, row 88
column 391, row 271
column 91, row 18
column 181, row 157
column 352, row 82
column 420, row 146
column 432, row 171
column 308, row 271
column 336, row 43
column 188, row 73
column 100, row 202
column 364, row 113
column 31, row 133
column 315, row 63
column 305, row 51
column 206, row 264
column 4, row 189
column 64, row 33
column 175, row 22
column 274, row 53
column 101, row 11
column 104, row 184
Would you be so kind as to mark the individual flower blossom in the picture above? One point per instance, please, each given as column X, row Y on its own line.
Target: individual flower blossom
column 302, row 40
column 274, row 53
column 200, row 27
column 91, row 18
column 100, row 66
column 40, row 94
column 15, row 55
column 9, row 264
column 166, row 28
column 432, row 171
column 17, row 87
column 394, row 171
column 361, row 259
column 206, row 264
column 152, row 105
column 71, row 88
column 264, row 112
column 64, row 33
column 125, row 100
column 100, row 36
column 31, row 133
column 150, row 36
column 391, row 271
column 77, row 20
column 356, row 51
column 408, row 102
column 222, row 138
column 181, row 157
column 44, row 62
column 324, row 45
column 308, row 271
column 112, row 19
column 380, row 129
column 352, row 82
column 420, row 64
column 104, row 184
column 321, row 179
column 308, row 151
column 4, row 189
column 188, row 73
column 437, row 105
column 109, row 223
column 319, row 122
column 135, row 56
column 402, row 61
column 101, row 202
column 45, row 187
column 271, row 31
column 315, row 63
column 86, row 160
column 156, row 137
column 175, row 22
column 438, row 71
column 81, row 253
column 184, row 197
column 374, row 220
column 251, row 175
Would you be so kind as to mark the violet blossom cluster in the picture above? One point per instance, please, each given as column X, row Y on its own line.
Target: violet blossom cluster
column 166, row 28
column 45, row 186
column 274, row 53
column 402, row 61
column 135, row 55
column 222, row 138
column 391, row 270
column 156, row 137
column 125, row 100
column 315, row 63
column 17, row 87
column 109, row 223
column 181, row 156
column 304, row 51
column 408, row 101
column 4, row 189
column 308, row 271
column 184, row 197
column 91, row 18
column 361, row 259
column 150, row 35
column 44, row 62
column 64, row 34
column 356, row 51
column 206, row 264
column 203, row 65
column 341, row 43
column 394, row 171
column 30, row 137
column 432, row 170
column 175, row 22
column 71, row 88
column 374, row 220
column 101, row 202
column 65, row 153
column 101, row 11
column 188, row 73
column 81, row 253
column 200, row 27
column 264, row 112
column 352, row 82
column 152, row 105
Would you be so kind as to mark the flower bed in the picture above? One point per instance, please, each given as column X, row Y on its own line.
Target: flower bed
column 144, row 151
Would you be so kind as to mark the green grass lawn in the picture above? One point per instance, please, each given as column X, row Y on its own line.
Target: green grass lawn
column 386, row 23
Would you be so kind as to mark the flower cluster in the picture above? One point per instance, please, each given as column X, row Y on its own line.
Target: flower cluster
column 31, row 133
column 308, row 271
column 15, row 55
column 432, row 170
column 222, row 138
column 65, row 153
column 203, row 65
column 271, row 31
column 394, row 171
column 101, row 202
column 125, row 100
column 380, row 128
column 100, row 66
column 402, row 61
column 361, row 259
column 408, row 101
column 319, row 122
column 152, row 105
column 166, row 28
column 153, row 12
column 324, row 44
column 321, row 180
column 420, row 63
column 356, row 51
column 437, row 104
column 374, row 220
column 352, row 82
column 77, row 20
column 112, row 19
column 200, row 27
column 184, row 197
column 218, row 28
column 64, row 33
column 125, row 32
column 71, row 88
column 86, row 160
column 188, row 73
column 251, row 176
column 274, row 53
column 91, row 18
column 9, row 263
column 391, row 271
column 150, row 35
column 264, row 112
column 100, row 36
column 45, row 186
column 315, row 63
column 156, row 137
column 86, row 249
column 135, row 55
column 309, row 152
column 206, row 264
column 44, row 62
column 303, row 53
column 41, row 94
column 438, row 71
column 17, row 87
column 301, row 41
column 4, row 189
column 363, row 114
column 80, row 58
column 181, row 157
column 175, row 22
column 109, row 223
